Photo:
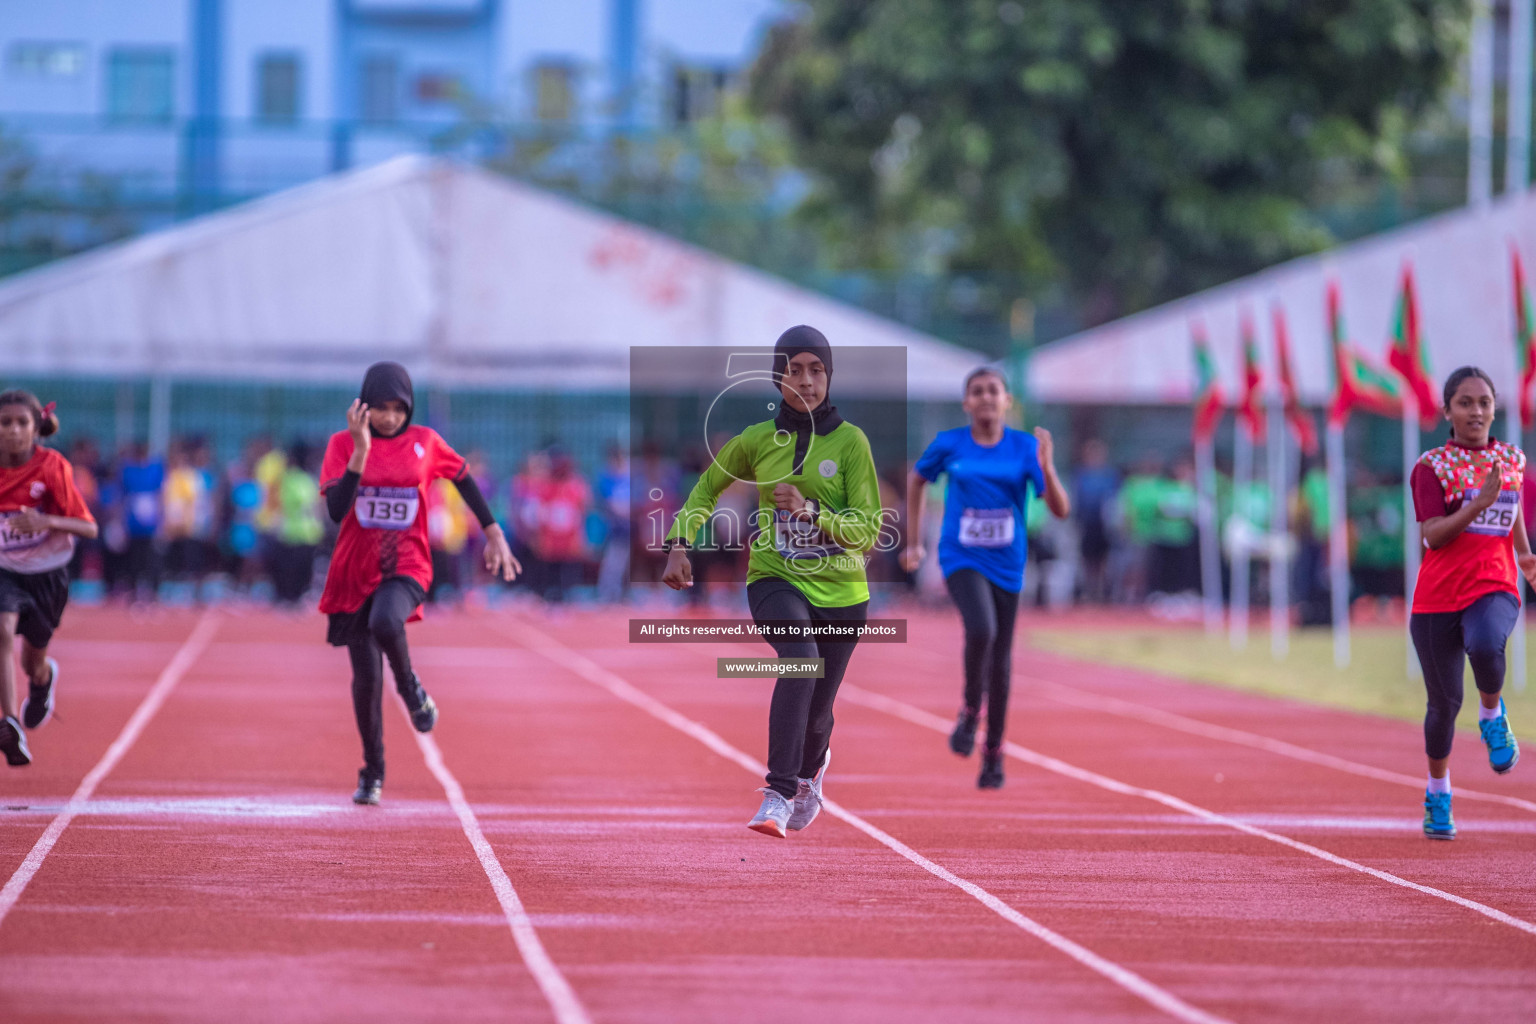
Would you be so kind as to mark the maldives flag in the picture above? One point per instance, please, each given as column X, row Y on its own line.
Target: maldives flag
column 1299, row 420
column 1407, row 355
column 1525, row 341
column 1207, row 393
column 1253, row 382
column 1357, row 382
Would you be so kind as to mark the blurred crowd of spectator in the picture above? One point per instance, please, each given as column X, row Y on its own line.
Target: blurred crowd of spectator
column 185, row 527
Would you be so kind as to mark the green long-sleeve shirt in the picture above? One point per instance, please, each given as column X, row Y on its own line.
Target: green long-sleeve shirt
column 824, row 558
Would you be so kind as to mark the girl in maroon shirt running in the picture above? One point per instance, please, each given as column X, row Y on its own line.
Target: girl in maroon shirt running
column 1466, row 497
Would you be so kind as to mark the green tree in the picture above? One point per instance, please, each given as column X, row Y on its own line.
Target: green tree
column 1115, row 152
column 45, row 215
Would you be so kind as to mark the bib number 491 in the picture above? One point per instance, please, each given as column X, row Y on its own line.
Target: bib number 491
column 986, row 528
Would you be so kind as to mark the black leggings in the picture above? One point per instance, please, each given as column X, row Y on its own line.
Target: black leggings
column 988, row 612
column 391, row 605
column 800, row 716
column 1446, row 641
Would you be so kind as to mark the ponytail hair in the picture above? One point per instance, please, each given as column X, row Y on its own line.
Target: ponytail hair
column 44, row 419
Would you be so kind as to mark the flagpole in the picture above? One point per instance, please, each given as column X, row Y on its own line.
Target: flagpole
column 1242, row 474
column 1480, row 106
column 1210, row 552
column 1412, row 540
column 1517, row 150
column 1279, row 536
column 1514, row 430
column 1338, row 545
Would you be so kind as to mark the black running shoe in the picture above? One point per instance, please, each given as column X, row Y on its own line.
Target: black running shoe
column 368, row 789
column 425, row 717
column 14, row 743
column 991, row 776
column 963, row 740
column 38, row 707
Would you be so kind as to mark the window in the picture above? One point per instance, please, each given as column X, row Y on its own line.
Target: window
column 46, row 60
column 140, row 85
column 438, row 87
column 277, row 88
column 419, row 8
column 554, row 92
column 380, row 99
column 697, row 92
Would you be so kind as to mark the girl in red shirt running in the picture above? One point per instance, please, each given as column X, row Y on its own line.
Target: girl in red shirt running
column 41, row 514
column 1466, row 497
column 374, row 479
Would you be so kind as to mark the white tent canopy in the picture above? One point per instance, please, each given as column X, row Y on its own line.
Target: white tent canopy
column 1462, row 269
column 465, row 276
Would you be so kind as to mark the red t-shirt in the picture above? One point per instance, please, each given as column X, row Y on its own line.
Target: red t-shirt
column 46, row 482
column 560, row 535
column 384, row 534
column 1481, row 560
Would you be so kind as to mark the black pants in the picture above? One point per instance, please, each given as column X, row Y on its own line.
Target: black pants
column 293, row 568
column 143, row 568
column 38, row 599
column 382, row 637
column 1446, row 641
column 988, row 612
column 800, row 716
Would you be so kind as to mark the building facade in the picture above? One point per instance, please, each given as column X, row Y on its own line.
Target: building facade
column 210, row 100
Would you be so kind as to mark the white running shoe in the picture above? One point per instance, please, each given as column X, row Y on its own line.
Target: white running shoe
column 771, row 816
column 808, row 799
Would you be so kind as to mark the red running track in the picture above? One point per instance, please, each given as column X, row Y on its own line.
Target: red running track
column 1142, row 864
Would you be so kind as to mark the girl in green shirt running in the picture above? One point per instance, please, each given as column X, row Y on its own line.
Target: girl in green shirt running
column 819, row 514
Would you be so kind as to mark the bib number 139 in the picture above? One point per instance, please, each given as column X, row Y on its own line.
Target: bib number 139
column 387, row 508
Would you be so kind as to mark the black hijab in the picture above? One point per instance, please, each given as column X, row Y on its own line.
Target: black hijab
column 824, row 418
column 388, row 382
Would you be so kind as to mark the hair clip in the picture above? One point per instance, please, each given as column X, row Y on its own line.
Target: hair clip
column 48, row 409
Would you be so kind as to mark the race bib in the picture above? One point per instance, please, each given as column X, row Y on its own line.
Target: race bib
column 12, row 539
column 798, row 537
column 986, row 528
column 387, row 508
column 1497, row 519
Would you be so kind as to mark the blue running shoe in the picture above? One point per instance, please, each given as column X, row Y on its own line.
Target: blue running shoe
column 1438, row 823
column 1503, row 751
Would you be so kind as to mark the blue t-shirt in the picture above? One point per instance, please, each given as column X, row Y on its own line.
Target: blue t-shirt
column 141, row 494
column 985, row 501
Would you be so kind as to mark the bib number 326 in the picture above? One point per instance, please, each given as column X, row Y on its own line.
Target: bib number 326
column 1497, row 519
column 387, row 508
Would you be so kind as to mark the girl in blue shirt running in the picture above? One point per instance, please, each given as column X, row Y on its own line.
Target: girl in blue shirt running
column 991, row 468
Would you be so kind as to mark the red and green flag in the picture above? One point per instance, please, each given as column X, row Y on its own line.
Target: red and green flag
column 1358, row 383
column 1407, row 355
column 1253, row 382
column 1297, row 418
column 1207, row 392
column 1525, row 341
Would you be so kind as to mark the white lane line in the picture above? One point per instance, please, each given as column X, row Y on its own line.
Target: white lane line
column 186, row 655
column 561, row 997
column 917, row 716
column 1195, row 727
column 555, row 651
